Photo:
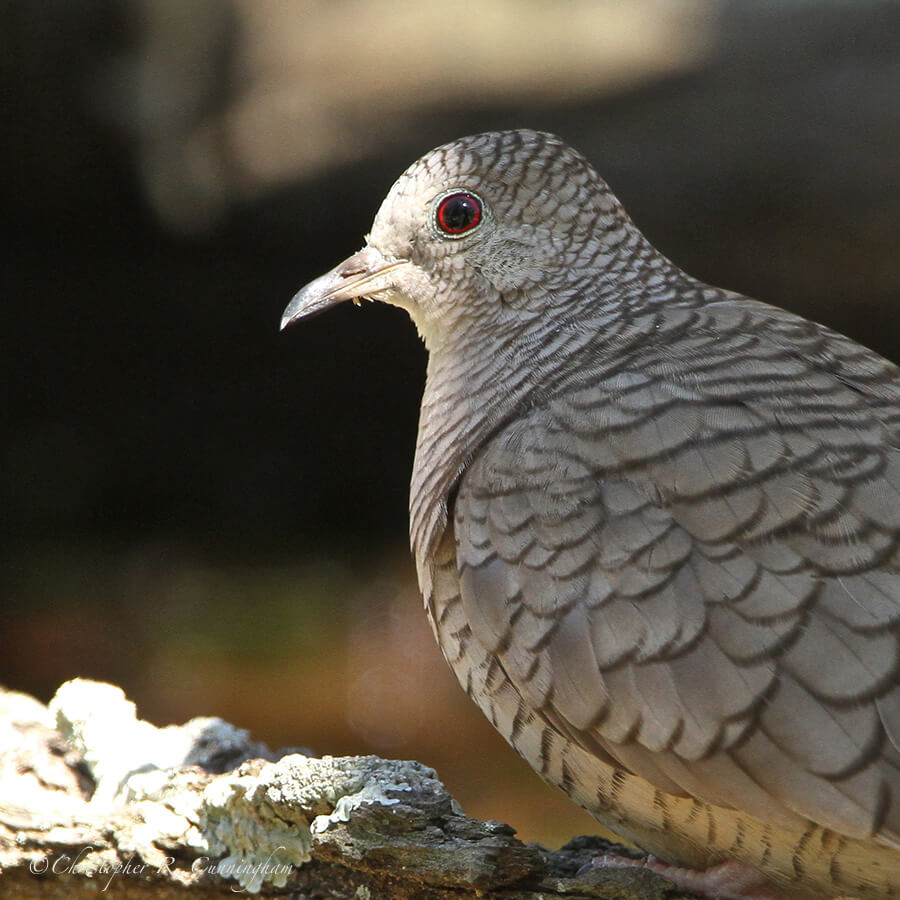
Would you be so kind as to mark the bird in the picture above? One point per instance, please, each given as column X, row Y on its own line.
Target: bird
column 655, row 523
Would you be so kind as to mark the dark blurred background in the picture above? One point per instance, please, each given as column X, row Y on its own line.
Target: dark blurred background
column 212, row 514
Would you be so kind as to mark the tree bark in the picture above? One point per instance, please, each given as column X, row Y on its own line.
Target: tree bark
column 94, row 799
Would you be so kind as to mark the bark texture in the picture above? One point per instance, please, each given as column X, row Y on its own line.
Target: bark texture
column 93, row 799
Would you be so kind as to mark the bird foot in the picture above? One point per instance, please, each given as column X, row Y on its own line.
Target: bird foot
column 725, row 881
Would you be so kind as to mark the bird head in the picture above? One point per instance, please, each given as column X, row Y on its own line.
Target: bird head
column 488, row 231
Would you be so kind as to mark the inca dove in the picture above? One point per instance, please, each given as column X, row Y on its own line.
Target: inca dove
column 656, row 524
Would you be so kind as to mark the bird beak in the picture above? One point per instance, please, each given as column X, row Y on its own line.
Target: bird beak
column 361, row 275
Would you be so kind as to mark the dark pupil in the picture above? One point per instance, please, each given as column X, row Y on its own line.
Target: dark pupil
column 458, row 213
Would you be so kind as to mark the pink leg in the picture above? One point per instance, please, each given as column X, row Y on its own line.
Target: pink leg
column 725, row 881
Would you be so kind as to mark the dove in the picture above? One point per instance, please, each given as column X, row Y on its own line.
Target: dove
column 656, row 524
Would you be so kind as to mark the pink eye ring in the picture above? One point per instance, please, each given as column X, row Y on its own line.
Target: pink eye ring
column 458, row 213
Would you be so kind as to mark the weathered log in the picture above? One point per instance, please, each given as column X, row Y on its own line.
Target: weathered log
column 94, row 799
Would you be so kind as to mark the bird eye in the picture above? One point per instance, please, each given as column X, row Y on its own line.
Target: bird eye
column 458, row 213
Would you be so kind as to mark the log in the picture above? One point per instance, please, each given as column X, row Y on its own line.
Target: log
column 94, row 799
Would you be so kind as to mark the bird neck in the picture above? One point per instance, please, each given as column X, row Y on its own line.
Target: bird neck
column 479, row 381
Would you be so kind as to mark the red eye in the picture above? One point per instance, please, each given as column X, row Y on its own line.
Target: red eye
column 458, row 213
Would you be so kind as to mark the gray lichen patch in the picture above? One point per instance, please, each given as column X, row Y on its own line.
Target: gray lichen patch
column 255, row 823
column 266, row 817
column 173, row 813
column 128, row 757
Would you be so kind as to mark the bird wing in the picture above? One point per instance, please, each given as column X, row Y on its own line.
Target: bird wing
column 690, row 561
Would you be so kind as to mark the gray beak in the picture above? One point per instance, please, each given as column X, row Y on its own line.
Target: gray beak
column 361, row 275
